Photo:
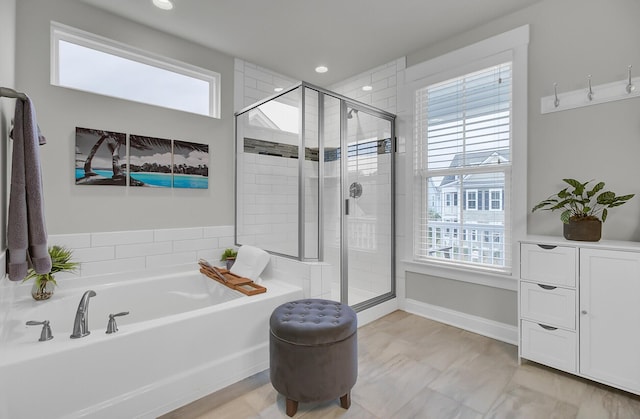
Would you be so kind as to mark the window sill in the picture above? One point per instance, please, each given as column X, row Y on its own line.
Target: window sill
column 474, row 276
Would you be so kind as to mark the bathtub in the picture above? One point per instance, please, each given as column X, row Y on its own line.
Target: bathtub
column 185, row 337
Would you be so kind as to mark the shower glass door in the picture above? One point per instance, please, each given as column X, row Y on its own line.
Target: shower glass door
column 367, row 187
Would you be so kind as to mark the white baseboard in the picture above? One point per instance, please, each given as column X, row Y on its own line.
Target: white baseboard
column 495, row 330
column 377, row 311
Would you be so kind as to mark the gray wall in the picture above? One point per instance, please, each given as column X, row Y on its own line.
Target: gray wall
column 71, row 208
column 7, row 79
column 569, row 39
column 465, row 297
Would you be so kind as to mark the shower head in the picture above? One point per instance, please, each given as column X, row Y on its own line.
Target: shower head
column 351, row 112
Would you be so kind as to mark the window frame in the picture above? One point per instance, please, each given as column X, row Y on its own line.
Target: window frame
column 499, row 200
column 60, row 32
column 508, row 46
column 467, row 199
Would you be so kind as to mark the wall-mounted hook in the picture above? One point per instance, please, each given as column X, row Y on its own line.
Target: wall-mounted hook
column 590, row 92
column 556, row 102
column 630, row 86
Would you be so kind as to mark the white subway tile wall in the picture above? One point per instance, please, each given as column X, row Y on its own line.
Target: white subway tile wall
column 383, row 80
column 121, row 251
column 127, row 251
column 254, row 83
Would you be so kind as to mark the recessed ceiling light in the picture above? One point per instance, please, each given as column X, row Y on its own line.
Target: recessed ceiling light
column 278, row 89
column 321, row 69
column 163, row 4
column 367, row 88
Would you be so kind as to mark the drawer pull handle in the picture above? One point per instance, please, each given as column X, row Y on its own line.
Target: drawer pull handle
column 547, row 246
column 547, row 327
column 547, row 287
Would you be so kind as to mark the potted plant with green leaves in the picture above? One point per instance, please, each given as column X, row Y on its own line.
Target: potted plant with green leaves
column 584, row 208
column 229, row 257
column 44, row 284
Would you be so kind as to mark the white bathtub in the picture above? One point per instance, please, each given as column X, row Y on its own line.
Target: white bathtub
column 185, row 337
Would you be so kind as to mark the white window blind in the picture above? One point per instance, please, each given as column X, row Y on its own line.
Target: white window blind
column 463, row 137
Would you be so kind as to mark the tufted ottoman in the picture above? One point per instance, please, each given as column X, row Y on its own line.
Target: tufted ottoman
column 313, row 352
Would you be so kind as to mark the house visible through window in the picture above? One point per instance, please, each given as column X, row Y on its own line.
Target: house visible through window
column 463, row 136
column 84, row 61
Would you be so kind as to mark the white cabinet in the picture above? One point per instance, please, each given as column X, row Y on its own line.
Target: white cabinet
column 548, row 264
column 610, row 317
column 552, row 306
column 548, row 305
column 549, row 345
column 579, row 305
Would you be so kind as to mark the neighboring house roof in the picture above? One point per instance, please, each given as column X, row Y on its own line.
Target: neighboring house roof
column 259, row 119
column 478, row 158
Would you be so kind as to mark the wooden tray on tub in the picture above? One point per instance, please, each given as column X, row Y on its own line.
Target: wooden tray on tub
column 231, row 280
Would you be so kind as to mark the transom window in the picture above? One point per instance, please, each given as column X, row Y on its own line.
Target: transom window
column 84, row 61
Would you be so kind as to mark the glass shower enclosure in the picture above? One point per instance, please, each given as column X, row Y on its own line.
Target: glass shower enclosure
column 315, row 182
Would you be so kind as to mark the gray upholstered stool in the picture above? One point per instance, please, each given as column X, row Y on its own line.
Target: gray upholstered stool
column 313, row 352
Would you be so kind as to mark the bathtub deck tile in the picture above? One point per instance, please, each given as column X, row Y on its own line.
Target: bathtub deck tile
column 121, row 237
column 191, row 245
column 112, row 266
column 218, row 231
column 169, row 234
column 143, row 249
column 94, row 254
column 73, row 241
column 183, row 258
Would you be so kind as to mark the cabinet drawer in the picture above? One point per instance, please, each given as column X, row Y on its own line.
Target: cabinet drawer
column 548, row 304
column 548, row 264
column 553, row 347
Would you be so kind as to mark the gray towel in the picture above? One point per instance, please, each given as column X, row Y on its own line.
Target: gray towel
column 26, row 232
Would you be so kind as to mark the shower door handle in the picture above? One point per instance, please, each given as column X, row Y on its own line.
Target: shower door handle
column 346, row 207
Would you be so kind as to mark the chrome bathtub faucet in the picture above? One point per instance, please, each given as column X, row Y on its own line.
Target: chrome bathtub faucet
column 81, row 322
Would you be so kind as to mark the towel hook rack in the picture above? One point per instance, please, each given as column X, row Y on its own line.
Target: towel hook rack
column 590, row 91
column 556, row 102
column 8, row 92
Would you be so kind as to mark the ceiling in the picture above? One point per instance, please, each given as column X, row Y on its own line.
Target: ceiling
column 293, row 37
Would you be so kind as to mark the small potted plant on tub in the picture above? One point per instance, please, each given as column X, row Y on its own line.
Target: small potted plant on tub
column 584, row 208
column 44, row 284
column 229, row 257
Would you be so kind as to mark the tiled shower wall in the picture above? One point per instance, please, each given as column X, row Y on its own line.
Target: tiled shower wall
column 384, row 81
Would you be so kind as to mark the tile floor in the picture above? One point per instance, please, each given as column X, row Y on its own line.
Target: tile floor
column 411, row 367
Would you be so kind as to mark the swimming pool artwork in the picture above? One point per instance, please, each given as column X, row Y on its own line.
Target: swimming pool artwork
column 150, row 161
column 190, row 165
column 100, row 157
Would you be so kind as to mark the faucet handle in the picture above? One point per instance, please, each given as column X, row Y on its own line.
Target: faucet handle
column 46, row 329
column 112, row 327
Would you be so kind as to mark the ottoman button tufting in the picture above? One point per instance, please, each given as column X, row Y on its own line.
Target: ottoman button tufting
column 312, row 359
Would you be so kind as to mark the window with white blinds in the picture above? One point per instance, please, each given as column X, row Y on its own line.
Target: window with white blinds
column 463, row 164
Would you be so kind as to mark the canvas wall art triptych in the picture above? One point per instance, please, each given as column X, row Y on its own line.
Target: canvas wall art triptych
column 105, row 158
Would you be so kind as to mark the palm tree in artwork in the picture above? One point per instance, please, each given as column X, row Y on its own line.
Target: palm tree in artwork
column 114, row 142
column 149, row 143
